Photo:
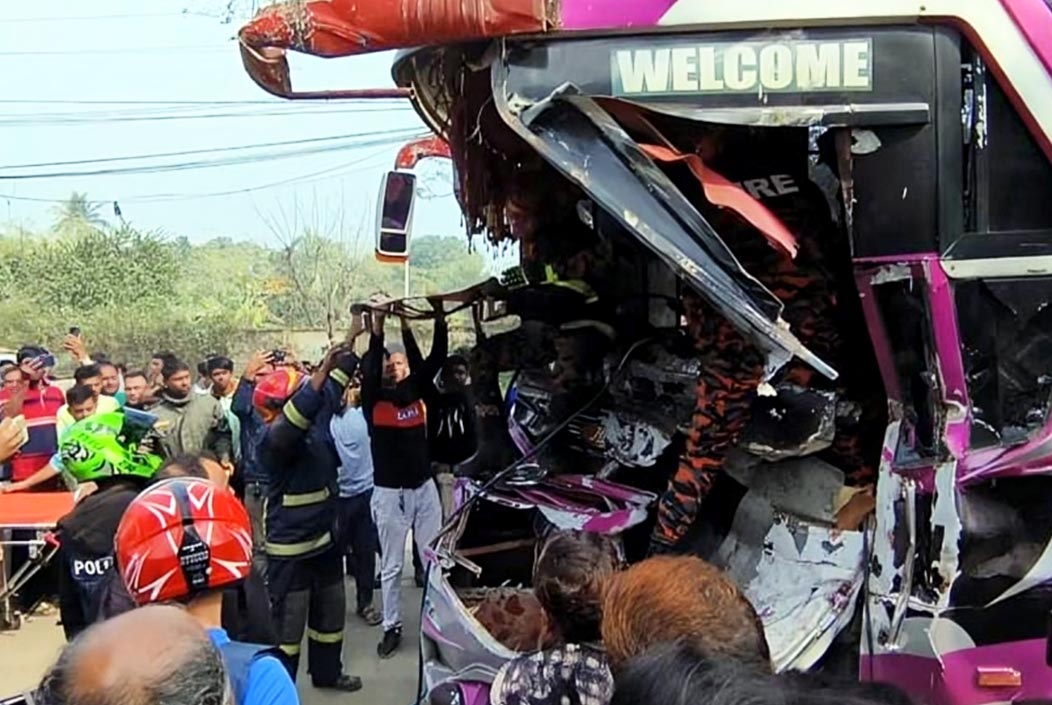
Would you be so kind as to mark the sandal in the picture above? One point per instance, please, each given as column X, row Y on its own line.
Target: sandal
column 371, row 616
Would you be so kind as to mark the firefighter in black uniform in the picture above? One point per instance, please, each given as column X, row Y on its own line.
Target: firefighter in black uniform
column 304, row 566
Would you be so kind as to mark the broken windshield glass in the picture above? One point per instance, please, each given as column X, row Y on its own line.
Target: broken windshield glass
column 1005, row 326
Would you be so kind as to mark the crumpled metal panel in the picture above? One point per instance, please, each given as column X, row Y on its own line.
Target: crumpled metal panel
column 722, row 192
column 332, row 28
column 803, row 577
column 796, row 422
column 892, row 550
column 583, row 142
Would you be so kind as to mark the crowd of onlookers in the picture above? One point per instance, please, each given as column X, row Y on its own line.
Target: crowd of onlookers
column 329, row 465
column 248, row 499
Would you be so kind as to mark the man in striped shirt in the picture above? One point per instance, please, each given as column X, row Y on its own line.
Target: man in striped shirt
column 34, row 398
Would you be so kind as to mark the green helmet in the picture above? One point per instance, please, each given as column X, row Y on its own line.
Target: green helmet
column 94, row 448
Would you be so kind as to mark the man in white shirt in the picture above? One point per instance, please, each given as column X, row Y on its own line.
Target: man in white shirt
column 224, row 386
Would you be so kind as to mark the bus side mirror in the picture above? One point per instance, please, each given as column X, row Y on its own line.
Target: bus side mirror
column 394, row 216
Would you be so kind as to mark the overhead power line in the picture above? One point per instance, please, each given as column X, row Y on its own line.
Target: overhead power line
column 393, row 139
column 340, row 170
column 72, row 119
column 394, row 134
column 121, row 50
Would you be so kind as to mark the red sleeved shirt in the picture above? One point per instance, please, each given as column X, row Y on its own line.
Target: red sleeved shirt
column 40, row 411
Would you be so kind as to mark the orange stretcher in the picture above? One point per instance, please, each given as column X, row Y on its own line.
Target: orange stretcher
column 38, row 513
column 31, row 510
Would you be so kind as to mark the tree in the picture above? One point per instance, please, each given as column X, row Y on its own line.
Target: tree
column 77, row 211
column 234, row 278
column 317, row 265
column 442, row 264
column 135, row 292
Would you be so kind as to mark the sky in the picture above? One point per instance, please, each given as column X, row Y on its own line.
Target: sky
column 100, row 80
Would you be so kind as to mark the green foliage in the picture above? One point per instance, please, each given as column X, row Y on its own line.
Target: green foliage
column 134, row 292
column 444, row 264
column 78, row 212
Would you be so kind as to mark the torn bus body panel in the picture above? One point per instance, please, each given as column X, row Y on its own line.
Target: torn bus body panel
column 946, row 530
column 583, row 142
column 965, row 563
column 471, row 631
column 802, row 578
column 891, row 554
column 801, row 573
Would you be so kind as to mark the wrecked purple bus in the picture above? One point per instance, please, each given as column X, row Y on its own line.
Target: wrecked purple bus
column 861, row 193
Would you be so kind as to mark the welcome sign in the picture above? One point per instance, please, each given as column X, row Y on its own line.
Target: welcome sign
column 776, row 66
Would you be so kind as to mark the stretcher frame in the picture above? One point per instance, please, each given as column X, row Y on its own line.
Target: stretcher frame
column 44, row 546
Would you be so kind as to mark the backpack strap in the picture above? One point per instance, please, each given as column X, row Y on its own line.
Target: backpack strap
column 238, row 658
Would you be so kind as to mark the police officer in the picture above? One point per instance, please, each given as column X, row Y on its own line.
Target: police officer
column 304, row 566
column 91, row 452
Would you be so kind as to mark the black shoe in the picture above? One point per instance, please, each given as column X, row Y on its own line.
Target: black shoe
column 344, row 684
column 391, row 641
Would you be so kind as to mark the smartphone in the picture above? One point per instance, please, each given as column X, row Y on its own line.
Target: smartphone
column 47, row 360
column 74, row 331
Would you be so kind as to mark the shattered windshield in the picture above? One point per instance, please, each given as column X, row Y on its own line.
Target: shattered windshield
column 1007, row 333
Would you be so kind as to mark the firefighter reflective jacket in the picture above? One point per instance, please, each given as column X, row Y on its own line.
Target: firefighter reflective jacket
column 301, row 464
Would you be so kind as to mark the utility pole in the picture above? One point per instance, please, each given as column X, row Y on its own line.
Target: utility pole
column 406, row 294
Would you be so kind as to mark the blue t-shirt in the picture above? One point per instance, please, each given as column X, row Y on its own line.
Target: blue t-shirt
column 350, row 433
column 268, row 681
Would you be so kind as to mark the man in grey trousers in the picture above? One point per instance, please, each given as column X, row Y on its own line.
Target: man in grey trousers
column 405, row 496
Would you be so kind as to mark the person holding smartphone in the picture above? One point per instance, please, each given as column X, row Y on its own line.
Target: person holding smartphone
column 38, row 401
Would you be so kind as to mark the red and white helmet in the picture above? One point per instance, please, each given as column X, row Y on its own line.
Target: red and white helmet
column 180, row 538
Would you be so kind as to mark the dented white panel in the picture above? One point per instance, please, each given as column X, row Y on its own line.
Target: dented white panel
column 888, row 588
column 804, row 578
column 805, row 589
column 945, row 515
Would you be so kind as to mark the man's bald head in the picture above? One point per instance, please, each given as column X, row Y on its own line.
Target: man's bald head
column 151, row 655
column 397, row 367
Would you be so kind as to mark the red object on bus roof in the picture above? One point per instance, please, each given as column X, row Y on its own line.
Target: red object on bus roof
column 413, row 152
column 347, row 27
